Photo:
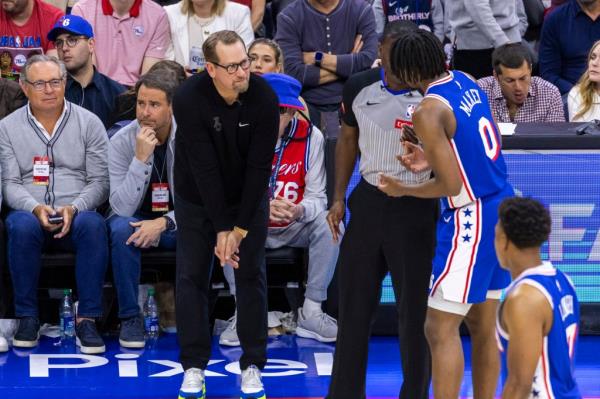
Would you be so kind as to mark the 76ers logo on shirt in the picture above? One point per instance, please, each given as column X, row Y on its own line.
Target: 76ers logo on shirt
column 138, row 30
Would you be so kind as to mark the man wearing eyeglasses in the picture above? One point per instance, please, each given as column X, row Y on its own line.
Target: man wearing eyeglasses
column 54, row 175
column 74, row 40
column 227, row 122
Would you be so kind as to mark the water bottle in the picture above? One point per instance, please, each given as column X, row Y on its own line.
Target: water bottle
column 67, row 316
column 151, row 315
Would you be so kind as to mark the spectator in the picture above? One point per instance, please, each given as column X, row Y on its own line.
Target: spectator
column 568, row 34
column 427, row 14
column 192, row 21
column 584, row 98
column 131, row 36
column 298, row 210
column 324, row 42
column 11, row 97
column 53, row 155
column 73, row 37
column 126, row 106
column 24, row 24
column 377, row 106
column 222, row 166
column 480, row 26
column 257, row 12
column 142, row 213
column 514, row 95
column 265, row 56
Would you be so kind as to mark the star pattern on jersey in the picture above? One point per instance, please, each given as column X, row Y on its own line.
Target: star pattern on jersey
column 466, row 238
column 468, row 225
column 467, row 213
column 535, row 394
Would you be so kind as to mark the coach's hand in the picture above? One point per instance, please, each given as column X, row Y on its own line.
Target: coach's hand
column 232, row 248
column 334, row 218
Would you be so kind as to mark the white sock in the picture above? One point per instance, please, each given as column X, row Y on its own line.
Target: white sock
column 311, row 308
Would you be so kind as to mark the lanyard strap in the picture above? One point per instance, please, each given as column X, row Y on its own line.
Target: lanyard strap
column 162, row 169
column 284, row 142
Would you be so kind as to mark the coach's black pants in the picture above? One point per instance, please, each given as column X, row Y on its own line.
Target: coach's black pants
column 195, row 248
column 384, row 234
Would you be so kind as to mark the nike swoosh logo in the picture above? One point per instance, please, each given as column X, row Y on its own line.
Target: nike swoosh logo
column 243, row 124
column 370, row 103
column 393, row 3
column 447, row 219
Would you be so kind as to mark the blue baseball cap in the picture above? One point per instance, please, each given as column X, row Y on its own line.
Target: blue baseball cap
column 287, row 89
column 71, row 24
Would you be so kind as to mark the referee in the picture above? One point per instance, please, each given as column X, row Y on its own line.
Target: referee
column 228, row 122
column 384, row 233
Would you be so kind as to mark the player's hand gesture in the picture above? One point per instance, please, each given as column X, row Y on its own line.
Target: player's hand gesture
column 413, row 158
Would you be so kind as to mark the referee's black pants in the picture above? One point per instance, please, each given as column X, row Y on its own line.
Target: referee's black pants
column 196, row 239
column 384, row 234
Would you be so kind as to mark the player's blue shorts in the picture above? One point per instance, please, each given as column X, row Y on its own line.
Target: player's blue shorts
column 465, row 266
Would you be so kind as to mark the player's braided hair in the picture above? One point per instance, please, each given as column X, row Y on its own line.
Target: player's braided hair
column 525, row 222
column 418, row 56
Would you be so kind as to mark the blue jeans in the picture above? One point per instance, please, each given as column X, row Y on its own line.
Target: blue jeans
column 127, row 261
column 26, row 241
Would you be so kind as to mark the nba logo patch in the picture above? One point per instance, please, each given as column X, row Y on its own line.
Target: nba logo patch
column 138, row 30
column 400, row 123
column 410, row 110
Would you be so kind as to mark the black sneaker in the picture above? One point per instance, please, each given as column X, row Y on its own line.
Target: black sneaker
column 88, row 339
column 132, row 333
column 28, row 334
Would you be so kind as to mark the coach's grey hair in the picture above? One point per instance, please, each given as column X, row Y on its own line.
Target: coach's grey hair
column 34, row 59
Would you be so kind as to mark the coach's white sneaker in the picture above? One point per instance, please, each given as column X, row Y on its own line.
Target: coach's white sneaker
column 252, row 386
column 193, row 386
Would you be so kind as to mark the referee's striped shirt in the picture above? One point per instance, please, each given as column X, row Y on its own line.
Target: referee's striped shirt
column 379, row 114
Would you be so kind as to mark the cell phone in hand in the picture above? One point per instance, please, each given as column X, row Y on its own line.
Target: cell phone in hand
column 55, row 219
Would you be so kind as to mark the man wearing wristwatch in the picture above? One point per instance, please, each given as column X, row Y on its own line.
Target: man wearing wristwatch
column 324, row 42
column 141, row 157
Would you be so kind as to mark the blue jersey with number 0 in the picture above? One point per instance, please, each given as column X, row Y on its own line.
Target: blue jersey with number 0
column 476, row 143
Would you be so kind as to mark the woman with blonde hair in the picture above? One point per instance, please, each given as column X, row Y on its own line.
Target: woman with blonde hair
column 584, row 98
column 192, row 21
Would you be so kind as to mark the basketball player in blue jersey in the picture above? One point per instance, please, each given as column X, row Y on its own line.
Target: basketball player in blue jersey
column 538, row 320
column 462, row 146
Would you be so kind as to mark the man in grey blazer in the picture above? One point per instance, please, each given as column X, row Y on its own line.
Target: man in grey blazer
column 142, row 216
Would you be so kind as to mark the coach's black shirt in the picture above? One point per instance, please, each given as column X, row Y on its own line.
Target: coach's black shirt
column 224, row 153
